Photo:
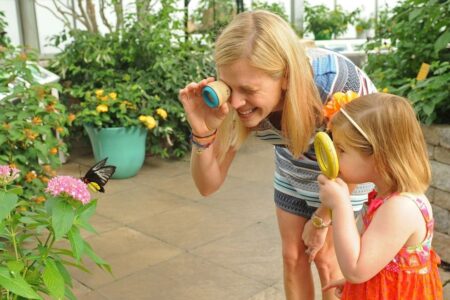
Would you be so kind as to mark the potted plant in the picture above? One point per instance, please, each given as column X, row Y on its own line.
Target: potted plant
column 326, row 23
column 362, row 26
column 117, row 121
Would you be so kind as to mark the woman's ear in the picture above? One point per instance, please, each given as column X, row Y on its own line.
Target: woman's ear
column 285, row 81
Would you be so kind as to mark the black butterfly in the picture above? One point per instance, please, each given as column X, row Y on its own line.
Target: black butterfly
column 98, row 175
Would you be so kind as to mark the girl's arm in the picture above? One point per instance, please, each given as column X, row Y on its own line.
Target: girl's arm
column 391, row 227
column 361, row 258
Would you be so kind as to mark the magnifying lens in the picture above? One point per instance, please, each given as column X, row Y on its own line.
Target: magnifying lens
column 326, row 155
column 216, row 93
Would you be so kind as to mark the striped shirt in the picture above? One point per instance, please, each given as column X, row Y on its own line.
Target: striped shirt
column 298, row 177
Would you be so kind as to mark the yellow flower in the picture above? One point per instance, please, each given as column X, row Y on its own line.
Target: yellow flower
column 104, row 98
column 162, row 113
column 98, row 93
column 102, row 108
column 113, row 95
column 386, row 90
column 150, row 122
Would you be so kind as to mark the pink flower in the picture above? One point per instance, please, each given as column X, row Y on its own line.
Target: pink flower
column 8, row 174
column 70, row 186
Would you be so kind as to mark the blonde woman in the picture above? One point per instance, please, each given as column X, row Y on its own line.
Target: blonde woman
column 278, row 90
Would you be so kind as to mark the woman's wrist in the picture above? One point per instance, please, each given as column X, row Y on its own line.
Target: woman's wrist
column 203, row 134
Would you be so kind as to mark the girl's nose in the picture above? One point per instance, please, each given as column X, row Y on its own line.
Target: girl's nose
column 236, row 100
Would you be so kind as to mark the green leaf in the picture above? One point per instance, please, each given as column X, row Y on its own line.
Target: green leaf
column 17, row 285
column 442, row 41
column 15, row 266
column 98, row 260
column 7, row 203
column 53, row 279
column 77, row 242
column 64, row 273
column 18, row 190
column 62, row 218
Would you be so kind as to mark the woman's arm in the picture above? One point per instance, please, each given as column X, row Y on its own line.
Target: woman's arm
column 208, row 173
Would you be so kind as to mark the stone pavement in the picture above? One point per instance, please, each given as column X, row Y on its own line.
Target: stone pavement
column 164, row 241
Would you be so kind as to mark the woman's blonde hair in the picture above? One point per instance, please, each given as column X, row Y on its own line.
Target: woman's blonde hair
column 395, row 139
column 269, row 44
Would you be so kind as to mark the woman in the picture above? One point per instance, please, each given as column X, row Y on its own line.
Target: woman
column 278, row 90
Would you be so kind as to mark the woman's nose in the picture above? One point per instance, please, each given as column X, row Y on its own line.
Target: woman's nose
column 236, row 100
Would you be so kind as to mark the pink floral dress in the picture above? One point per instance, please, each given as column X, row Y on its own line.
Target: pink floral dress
column 412, row 274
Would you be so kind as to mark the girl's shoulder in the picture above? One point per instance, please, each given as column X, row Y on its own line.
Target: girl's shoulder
column 406, row 208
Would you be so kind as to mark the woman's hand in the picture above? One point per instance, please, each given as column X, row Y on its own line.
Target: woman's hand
column 314, row 239
column 332, row 192
column 202, row 119
column 338, row 284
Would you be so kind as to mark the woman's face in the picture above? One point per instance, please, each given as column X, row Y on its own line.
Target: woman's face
column 254, row 94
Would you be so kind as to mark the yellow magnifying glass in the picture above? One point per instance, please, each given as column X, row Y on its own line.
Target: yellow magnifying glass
column 326, row 155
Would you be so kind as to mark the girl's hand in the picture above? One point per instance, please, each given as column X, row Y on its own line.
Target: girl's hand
column 332, row 192
column 338, row 284
column 202, row 119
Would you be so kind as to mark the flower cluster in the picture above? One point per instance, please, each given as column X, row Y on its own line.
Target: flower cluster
column 70, row 186
column 124, row 106
column 338, row 100
column 8, row 174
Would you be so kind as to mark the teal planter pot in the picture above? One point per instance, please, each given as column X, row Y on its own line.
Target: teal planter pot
column 124, row 147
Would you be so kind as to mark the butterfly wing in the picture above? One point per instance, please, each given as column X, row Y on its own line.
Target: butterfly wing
column 98, row 175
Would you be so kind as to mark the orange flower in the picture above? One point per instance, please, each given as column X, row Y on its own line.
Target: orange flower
column 37, row 121
column 60, row 129
column 71, row 117
column 338, row 100
column 44, row 179
column 53, row 151
column 30, row 176
column 50, row 108
column 39, row 199
column 30, row 134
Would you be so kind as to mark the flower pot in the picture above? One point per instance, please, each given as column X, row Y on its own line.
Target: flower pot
column 322, row 35
column 124, row 148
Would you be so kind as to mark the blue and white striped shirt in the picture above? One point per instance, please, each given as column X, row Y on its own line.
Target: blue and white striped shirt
column 298, row 177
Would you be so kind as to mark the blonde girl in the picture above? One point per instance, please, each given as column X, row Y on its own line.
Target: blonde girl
column 378, row 139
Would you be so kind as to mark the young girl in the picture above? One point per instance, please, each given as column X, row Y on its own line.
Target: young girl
column 378, row 139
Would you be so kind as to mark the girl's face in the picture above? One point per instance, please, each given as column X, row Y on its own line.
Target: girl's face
column 354, row 166
column 254, row 94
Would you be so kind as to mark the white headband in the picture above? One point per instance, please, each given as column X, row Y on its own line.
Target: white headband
column 354, row 124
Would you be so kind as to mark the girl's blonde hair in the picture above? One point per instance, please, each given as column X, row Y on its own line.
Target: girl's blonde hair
column 270, row 44
column 395, row 139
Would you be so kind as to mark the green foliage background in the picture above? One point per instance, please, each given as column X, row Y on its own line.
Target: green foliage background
column 418, row 31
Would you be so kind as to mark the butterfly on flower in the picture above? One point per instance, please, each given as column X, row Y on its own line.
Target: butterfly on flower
column 98, row 175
